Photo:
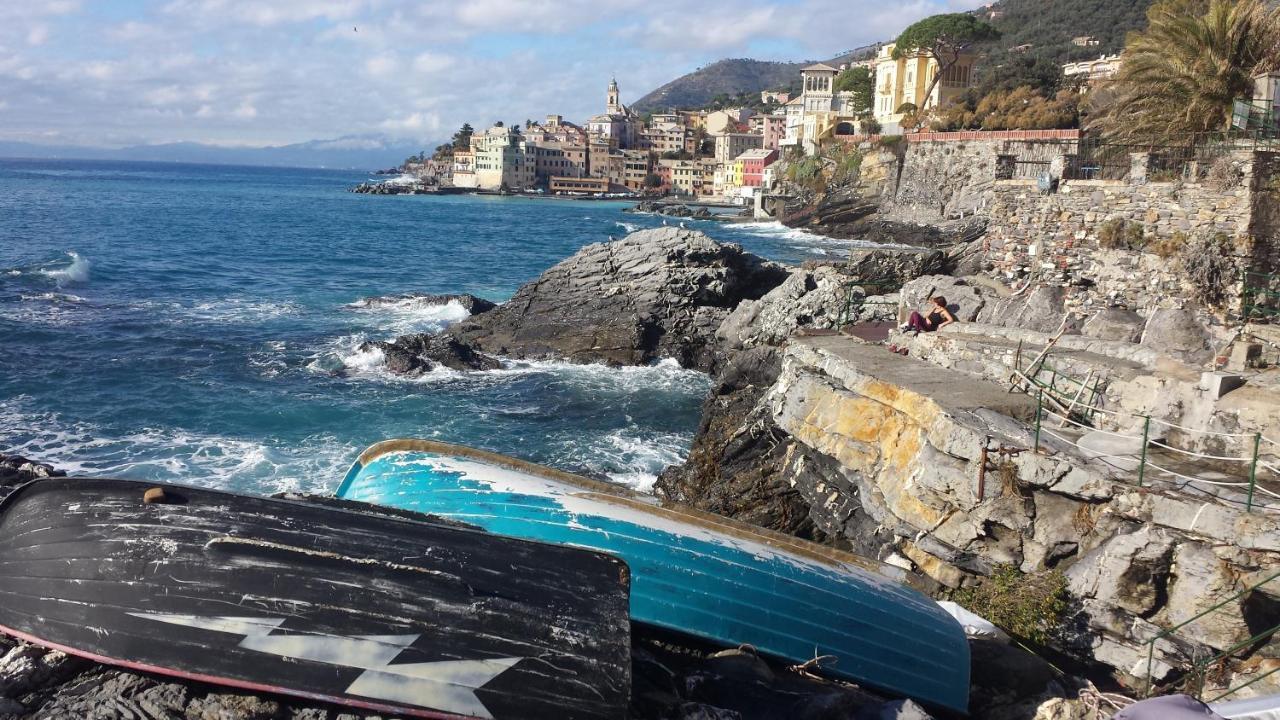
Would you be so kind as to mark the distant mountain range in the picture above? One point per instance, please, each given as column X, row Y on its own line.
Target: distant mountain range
column 356, row 152
column 1047, row 26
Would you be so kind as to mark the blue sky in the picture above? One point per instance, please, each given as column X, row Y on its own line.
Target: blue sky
column 259, row 72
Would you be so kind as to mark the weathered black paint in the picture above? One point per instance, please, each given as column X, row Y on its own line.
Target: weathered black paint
column 77, row 556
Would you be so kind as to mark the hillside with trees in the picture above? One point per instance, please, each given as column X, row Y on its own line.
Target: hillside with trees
column 733, row 78
column 1035, row 39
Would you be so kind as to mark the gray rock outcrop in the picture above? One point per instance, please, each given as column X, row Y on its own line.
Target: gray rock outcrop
column 807, row 298
column 16, row 470
column 1114, row 324
column 654, row 294
column 1041, row 310
column 968, row 301
column 1177, row 333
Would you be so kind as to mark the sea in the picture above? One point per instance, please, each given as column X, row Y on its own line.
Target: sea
column 202, row 324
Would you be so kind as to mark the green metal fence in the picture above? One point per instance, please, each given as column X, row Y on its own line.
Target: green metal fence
column 1194, row 680
column 1260, row 297
column 1062, row 398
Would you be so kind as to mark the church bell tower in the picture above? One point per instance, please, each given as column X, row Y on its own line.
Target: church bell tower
column 612, row 106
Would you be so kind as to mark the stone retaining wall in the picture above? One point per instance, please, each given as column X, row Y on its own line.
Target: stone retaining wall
column 1059, row 237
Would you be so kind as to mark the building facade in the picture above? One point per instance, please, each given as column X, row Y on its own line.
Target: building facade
column 503, row 159
column 904, row 81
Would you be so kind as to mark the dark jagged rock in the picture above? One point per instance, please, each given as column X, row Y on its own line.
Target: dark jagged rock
column 893, row 265
column 654, row 294
column 737, row 456
column 16, row 470
column 472, row 304
column 413, row 355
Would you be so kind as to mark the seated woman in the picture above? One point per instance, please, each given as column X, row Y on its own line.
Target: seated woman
column 939, row 316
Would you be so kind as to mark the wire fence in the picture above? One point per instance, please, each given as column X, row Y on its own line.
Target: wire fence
column 1194, row 682
column 1260, row 296
column 1250, row 469
column 1189, row 158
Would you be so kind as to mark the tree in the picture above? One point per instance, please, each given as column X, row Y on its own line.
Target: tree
column 862, row 83
column 652, row 181
column 1182, row 74
column 462, row 138
column 944, row 38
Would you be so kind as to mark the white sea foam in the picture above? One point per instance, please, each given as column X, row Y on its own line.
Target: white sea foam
column 627, row 227
column 52, row 297
column 805, row 240
column 401, row 179
column 49, row 309
column 404, row 315
column 171, row 454
column 77, row 272
column 634, row 458
column 224, row 311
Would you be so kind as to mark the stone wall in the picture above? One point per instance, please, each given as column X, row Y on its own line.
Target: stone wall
column 948, row 180
column 1061, row 237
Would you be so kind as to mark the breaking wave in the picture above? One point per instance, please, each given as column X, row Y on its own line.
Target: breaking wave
column 805, row 240
column 410, row 314
column 175, row 455
column 73, row 274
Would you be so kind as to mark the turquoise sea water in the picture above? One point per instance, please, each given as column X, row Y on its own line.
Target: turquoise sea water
column 200, row 324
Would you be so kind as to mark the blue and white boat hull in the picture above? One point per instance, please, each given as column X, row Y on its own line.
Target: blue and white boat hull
column 694, row 572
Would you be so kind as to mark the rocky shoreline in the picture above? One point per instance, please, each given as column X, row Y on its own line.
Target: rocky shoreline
column 813, row 430
column 671, row 679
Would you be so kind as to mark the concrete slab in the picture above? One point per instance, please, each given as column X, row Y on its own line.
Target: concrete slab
column 949, row 389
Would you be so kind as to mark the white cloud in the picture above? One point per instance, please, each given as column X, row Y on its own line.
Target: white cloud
column 381, row 66
column 431, row 62
column 414, row 123
column 38, row 34
column 281, row 71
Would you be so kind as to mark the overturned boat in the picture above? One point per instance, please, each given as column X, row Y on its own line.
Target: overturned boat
column 335, row 602
column 692, row 572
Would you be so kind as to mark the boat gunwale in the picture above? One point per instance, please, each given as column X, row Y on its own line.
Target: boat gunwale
column 618, row 495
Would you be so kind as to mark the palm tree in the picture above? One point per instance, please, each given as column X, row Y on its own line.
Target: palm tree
column 1182, row 74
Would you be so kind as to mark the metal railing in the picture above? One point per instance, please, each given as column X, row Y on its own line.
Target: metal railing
column 1260, row 296
column 1195, row 679
column 1189, row 157
column 1054, row 403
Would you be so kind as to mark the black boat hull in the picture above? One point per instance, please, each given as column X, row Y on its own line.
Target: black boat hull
column 356, row 608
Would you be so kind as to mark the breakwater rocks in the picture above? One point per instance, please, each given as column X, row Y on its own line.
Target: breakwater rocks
column 394, row 188
column 654, row 294
column 673, row 210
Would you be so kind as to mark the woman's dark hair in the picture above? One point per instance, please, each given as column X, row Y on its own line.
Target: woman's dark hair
column 940, row 301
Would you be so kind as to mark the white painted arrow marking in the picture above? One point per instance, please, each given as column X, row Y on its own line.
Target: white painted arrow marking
column 448, row 685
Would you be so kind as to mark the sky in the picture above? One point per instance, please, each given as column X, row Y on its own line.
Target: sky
column 110, row 73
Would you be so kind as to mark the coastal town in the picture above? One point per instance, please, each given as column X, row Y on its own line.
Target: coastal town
column 968, row 405
column 724, row 155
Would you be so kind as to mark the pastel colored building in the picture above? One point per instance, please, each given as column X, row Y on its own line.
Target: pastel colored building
column 619, row 123
column 904, row 80
column 730, row 145
column 464, row 169
column 1093, row 72
column 503, row 159
column 753, row 164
